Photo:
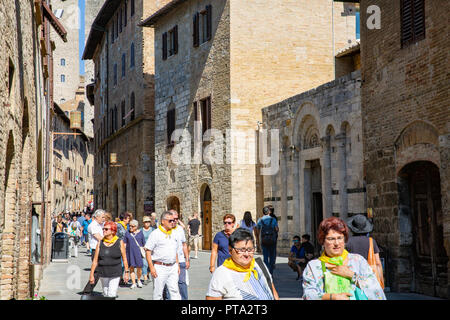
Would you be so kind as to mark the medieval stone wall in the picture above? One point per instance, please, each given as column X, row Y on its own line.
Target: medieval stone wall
column 405, row 107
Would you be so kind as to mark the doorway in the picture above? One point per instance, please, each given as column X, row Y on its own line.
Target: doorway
column 429, row 255
column 316, row 202
column 173, row 203
column 206, row 217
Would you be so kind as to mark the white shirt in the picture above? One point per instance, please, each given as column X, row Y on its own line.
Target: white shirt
column 181, row 238
column 94, row 228
column 230, row 285
column 162, row 246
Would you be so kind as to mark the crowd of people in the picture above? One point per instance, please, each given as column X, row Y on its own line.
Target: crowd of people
column 348, row 267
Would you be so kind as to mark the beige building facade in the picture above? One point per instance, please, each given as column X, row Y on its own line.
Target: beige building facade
column 236, row 66
column 73, row 166
column 123, row 94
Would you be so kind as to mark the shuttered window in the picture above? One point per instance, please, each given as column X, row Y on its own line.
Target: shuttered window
column 170, row 124
column 206, row 114
column 196, row 30
column 208, row 22
column 173, row 41
column 164, row 46
column 413, row 21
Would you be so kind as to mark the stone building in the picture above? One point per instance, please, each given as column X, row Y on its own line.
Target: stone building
column 66, row 54
column 321, row 172
column 406, row 138
column 26, row 97
column 123, row 94
column 73, row 166
column 218, row 62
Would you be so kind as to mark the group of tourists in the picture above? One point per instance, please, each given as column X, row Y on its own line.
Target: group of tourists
column 348, row 267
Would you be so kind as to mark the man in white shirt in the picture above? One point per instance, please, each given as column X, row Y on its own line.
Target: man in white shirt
column 162, row 258
column 95, row 234
column 183, row 254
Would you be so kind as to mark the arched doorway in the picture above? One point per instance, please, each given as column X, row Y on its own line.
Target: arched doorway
column 206, row 216
column 421, row 185
column 173, row 203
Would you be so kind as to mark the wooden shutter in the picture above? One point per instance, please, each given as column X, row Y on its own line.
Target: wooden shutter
column 208, row 22
column 419, row 19
column 208, row 109
column 164, row 46
column 175, row 40
column 196, row 30
column 413, row 21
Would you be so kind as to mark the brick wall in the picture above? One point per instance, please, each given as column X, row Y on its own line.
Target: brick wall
column 401, row 87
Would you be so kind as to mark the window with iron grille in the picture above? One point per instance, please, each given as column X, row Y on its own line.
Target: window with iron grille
column 412, row 21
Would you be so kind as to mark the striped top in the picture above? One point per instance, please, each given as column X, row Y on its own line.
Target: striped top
column 230, row 285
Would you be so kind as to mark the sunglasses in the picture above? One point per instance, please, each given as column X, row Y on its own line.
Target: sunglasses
column 227, row 222
column 171, row 221
column 106, row 229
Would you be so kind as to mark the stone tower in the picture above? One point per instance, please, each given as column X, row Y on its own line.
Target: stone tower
column 92, row 7
column 66, row 55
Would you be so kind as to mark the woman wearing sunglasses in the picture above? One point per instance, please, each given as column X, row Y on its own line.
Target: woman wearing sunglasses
column 107, row 259
column 241, row 277
column 219, row 248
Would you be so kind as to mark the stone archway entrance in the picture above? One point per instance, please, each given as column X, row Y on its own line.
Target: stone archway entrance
column 173, row 203
column 420, row 181
column 206, row 216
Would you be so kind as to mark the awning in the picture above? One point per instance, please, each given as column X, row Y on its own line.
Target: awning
column 48, row 13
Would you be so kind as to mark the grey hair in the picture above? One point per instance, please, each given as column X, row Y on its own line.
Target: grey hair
column 134, row 223
column 166, row 213
column 97, row 213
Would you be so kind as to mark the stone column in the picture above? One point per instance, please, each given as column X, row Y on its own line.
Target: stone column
column 296, row 192
column 342, row 167
column 307, row 206
column 327, row 194
column 284, row 195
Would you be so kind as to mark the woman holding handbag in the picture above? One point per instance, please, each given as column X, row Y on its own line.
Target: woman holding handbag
column 337, row 274
column 135, row 242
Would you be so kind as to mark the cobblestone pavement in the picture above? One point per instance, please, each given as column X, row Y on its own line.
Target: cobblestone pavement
column 65, row 281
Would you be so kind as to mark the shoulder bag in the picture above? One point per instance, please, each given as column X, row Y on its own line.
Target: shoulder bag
column 140, row 248
column 373, row 263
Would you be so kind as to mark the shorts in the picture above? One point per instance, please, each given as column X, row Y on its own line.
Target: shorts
column 194, row 238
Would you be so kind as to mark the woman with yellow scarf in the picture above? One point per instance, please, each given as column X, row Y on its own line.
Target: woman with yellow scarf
column 107, row 259
column 240, row 277
column 337, row 274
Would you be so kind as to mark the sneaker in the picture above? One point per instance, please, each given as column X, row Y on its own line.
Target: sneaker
column 133, row 286
column 139, row 284
column 146, row 282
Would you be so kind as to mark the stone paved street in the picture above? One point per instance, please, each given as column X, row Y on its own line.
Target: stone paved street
column 61, row 281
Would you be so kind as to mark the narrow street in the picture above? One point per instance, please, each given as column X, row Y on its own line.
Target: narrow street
column 65, row 281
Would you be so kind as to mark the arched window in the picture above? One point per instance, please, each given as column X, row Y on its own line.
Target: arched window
column 132, row 106
column 63, row 62
column 132, row 56
column 123, row 113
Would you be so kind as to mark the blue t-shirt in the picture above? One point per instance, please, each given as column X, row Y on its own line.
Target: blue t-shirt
column 273, row 222
column 223, row 253
column 86, row 225
column 299, row 253
column 81, row 220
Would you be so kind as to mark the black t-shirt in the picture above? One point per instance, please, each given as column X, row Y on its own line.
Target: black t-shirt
column 309, row 248
column 194, row 224
column 360, row 245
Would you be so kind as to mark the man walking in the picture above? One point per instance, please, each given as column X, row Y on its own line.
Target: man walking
column 193, row 227
column 267, row 231
column 183, row 254
column 162, row 258
column 95, row 234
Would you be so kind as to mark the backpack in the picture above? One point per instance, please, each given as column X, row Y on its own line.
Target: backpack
column 268, row 234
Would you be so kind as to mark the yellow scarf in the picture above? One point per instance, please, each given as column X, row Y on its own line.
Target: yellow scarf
column 123, row 224
column 230, row 264
column 339, row 261
column 114, row 239
column 167, row 233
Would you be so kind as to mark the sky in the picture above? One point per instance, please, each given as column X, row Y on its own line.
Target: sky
column 82, row 6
